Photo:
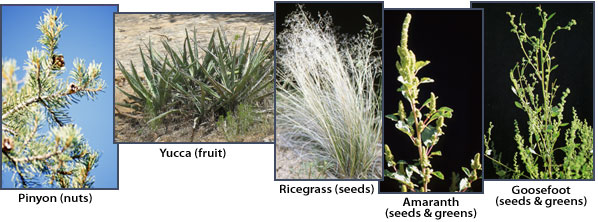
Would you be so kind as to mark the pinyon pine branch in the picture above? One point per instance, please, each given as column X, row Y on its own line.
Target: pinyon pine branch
column 60, row 156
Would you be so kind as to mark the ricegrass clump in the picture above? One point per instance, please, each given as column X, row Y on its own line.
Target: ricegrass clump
column 328, row 95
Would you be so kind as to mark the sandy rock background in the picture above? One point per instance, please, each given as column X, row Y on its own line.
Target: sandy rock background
column 135, row 30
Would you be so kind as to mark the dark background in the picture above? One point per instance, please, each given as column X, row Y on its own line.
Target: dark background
column 347, row 17
column 573, row 52
column 452, row 41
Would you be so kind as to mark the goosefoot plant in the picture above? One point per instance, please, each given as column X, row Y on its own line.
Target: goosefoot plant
column 328, row 96
column 59, row 156
column 230, row 73
column 536, row 91
column 424, row 130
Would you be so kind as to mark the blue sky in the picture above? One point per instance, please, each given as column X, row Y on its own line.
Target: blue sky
column 89, row 36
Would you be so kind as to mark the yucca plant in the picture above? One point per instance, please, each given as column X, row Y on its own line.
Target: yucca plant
column 152, row 94
column 328, row 95
column 533, row 83
column 424, row 129
column 230, row 73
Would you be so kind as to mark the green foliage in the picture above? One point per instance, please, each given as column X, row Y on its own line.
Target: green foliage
column 315, row 169
column 238, row 71
column 235, row 125
column 153, row 94
column 230, row 73
column 60, row 155
column 536, row 91
column 579, row 150
column 328, row 95
column 471, row 174
column 424, row 129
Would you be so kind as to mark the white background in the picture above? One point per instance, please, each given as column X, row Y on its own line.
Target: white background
column 242, row 187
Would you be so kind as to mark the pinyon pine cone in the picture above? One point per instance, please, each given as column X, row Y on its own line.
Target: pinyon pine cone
column 7, row 144
column 72, row 88
column 58, row 61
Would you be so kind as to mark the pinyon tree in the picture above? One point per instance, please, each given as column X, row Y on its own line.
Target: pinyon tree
column 40, row 145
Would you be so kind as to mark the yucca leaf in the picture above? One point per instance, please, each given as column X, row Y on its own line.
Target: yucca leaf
column 164, row 114
column 130, row 96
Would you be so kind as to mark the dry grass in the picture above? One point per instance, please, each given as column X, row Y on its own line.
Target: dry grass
column 328, row 101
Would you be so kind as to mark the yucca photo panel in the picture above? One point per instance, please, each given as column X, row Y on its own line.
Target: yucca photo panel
column 194, row 77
